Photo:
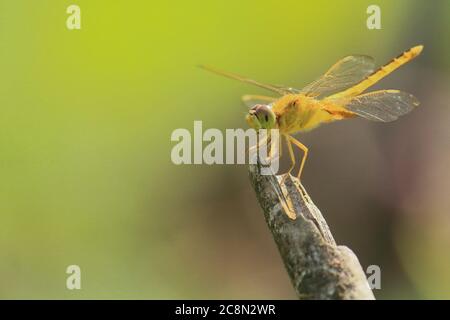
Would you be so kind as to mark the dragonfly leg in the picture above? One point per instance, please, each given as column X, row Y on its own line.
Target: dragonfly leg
column 280, row 147
column 305, row 154
column 292, row 156
column 258, row 145
column 264, row 142
column 269, row 149
column 276, row 149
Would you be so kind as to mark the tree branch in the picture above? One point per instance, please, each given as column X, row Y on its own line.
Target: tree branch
column 318, row 268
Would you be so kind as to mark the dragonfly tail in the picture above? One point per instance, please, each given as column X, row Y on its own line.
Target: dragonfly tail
column 380, row 73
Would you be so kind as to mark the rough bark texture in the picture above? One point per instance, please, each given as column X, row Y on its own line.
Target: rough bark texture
column 318, row 268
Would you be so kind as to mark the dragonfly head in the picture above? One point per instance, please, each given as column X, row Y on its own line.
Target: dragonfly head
column 261, row 117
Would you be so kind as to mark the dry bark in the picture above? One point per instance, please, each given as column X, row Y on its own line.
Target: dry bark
column 318, row 268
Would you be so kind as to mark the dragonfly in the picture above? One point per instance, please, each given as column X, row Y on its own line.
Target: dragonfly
column 336, row 95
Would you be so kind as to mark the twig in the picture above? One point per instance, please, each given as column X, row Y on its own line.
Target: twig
column 318, row 268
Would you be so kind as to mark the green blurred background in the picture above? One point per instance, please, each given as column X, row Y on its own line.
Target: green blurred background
column 85, row 124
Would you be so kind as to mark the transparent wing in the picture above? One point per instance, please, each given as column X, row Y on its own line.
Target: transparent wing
column 275, row 88
column 250, row 100
column 342, row 75
column 383, row 105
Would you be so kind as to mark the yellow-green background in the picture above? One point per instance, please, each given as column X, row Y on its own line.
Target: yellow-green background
column 85, row 124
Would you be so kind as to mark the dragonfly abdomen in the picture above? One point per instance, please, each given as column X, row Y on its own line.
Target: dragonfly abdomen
column 380, row 73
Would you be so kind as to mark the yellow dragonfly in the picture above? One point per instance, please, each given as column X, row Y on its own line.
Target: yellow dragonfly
column 336, row 95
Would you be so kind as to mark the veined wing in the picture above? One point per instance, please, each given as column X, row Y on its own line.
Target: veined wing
column 275, row 88
column 342, row 75
column 383, row 105
column 250, row 100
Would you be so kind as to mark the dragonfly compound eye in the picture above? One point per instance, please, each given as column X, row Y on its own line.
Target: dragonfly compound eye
column 265, row 116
